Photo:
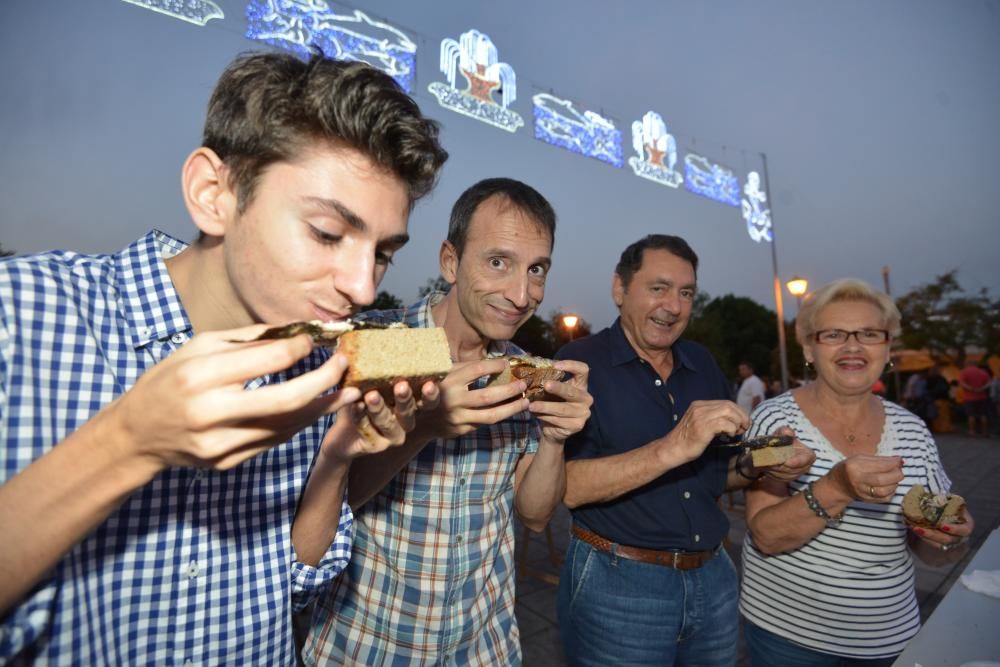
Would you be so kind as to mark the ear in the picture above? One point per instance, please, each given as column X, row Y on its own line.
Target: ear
column 448, row 260
column 207, row 195
column 617, row 290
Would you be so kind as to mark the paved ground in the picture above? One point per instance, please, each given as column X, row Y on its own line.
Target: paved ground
column 972, row 464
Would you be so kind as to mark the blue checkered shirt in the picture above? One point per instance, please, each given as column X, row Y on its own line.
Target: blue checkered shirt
column 431, row 577
column 196, row 567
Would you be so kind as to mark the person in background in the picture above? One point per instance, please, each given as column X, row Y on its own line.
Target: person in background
column 975, row 383
column 646, row 580
column 938, row 401
column 828, row 570
column 915, row 394
column 751, row 391
column 431, row 579
column 169, row 492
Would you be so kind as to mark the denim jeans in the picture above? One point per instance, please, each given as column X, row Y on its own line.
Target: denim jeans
column 767, row 649
column 615, row 611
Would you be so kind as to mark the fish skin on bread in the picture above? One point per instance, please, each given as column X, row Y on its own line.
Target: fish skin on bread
column 923, row 508
column 535, row 371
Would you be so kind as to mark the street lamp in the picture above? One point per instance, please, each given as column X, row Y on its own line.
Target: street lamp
column 570, row 321
column 797, row 287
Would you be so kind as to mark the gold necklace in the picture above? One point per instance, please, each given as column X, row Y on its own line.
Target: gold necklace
column 846, row 430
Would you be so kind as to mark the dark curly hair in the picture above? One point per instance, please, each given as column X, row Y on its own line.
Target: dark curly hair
column 631, row 259
column 270, row 107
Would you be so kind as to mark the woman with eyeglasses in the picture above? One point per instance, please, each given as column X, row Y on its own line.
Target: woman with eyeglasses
column 828, row 577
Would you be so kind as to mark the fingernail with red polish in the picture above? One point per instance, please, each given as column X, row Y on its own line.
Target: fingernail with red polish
column 945, row 528
column 920, row 531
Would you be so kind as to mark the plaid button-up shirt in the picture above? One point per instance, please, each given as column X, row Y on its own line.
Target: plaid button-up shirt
column 196, row 567
column 431, row 577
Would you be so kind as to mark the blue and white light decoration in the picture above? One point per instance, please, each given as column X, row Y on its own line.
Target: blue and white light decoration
column 198, row 12
column 557, row 122
column 475, row 57
column 297, row 25
column 653, row 144
column 709, row 179
column 757, row 217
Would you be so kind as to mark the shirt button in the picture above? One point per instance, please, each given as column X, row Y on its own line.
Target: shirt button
column 675, row 417
column 144, row 332
column 192, row 570
column 458, row 538
column 658, row 382
column 461, row 482
column 687, row 494
column 697, row 538
column 178, row 338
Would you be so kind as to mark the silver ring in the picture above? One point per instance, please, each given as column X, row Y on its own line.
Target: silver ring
column 948, row 547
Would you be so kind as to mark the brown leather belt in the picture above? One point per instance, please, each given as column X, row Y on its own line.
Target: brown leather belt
column 679, row 560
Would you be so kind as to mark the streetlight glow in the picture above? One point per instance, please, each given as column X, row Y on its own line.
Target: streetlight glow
column 797, row 286
column 569, row 321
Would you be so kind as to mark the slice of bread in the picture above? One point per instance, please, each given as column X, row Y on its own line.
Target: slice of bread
column 535, row 371
column 379, row 358
column 771, row 456
column 923, row 508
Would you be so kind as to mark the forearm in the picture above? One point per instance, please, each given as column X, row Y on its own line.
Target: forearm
column 542, row 487
column 603, row 479
column 316, row 521
column 51, row 505
column 790, row 523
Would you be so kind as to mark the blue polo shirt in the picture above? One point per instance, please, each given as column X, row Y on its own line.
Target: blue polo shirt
column 633, row 406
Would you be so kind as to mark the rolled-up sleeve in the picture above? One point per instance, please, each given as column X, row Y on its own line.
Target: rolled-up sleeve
column 24, row 625
column 309, row 581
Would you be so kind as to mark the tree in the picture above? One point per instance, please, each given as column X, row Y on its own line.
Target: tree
column 737, row 329
column 438, row 284
column 385, row 301
column 535, row 337
column 943, row 319
column 6, row 253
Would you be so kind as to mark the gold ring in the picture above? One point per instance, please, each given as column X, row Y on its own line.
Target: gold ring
column 871, row 492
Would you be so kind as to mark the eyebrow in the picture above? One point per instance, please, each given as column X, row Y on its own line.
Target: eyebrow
column 354, row 220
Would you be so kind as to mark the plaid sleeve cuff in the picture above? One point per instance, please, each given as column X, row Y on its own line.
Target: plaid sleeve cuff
column 308, row 581
column 23, row 626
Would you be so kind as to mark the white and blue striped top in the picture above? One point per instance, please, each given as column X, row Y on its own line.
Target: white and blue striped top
column 850, row 590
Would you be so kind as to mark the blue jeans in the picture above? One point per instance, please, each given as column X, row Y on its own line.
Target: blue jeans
column 767, row 649
column 615, row 611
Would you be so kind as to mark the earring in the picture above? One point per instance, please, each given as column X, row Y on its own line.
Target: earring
column 808, row 366
column 889, row 366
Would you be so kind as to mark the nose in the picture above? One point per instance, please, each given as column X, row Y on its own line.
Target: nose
column 521, row 292
column 354, row 276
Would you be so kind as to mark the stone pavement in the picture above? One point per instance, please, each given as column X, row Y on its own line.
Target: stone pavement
column 972, row 463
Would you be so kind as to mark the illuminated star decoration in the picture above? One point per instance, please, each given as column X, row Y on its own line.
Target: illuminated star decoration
column 298, row 25
column 557, row 122
column 708, row 179
column 757, row 217
column 475, row 57
column 653, row 144
column 198, row 12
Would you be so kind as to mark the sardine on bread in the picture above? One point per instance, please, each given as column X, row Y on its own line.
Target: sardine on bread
column 921, row 507
column 535, row 371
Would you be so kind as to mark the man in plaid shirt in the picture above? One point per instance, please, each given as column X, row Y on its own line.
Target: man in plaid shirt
column 431, row 578
column 168, row 494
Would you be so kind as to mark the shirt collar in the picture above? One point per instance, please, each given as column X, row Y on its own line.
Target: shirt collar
column 147, row 298
column 622, row 351
column 419, row 315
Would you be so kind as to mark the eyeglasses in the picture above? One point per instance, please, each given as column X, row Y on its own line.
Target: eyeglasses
column 863, row 336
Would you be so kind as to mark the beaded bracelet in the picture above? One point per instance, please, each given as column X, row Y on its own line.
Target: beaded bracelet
column 831, row 521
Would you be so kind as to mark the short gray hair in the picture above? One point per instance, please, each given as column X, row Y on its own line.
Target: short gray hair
column 845, row 289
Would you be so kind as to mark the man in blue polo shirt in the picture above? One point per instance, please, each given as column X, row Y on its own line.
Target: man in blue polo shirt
column 646, row 580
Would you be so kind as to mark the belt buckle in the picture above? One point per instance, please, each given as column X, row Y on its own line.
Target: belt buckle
column 676, row 555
